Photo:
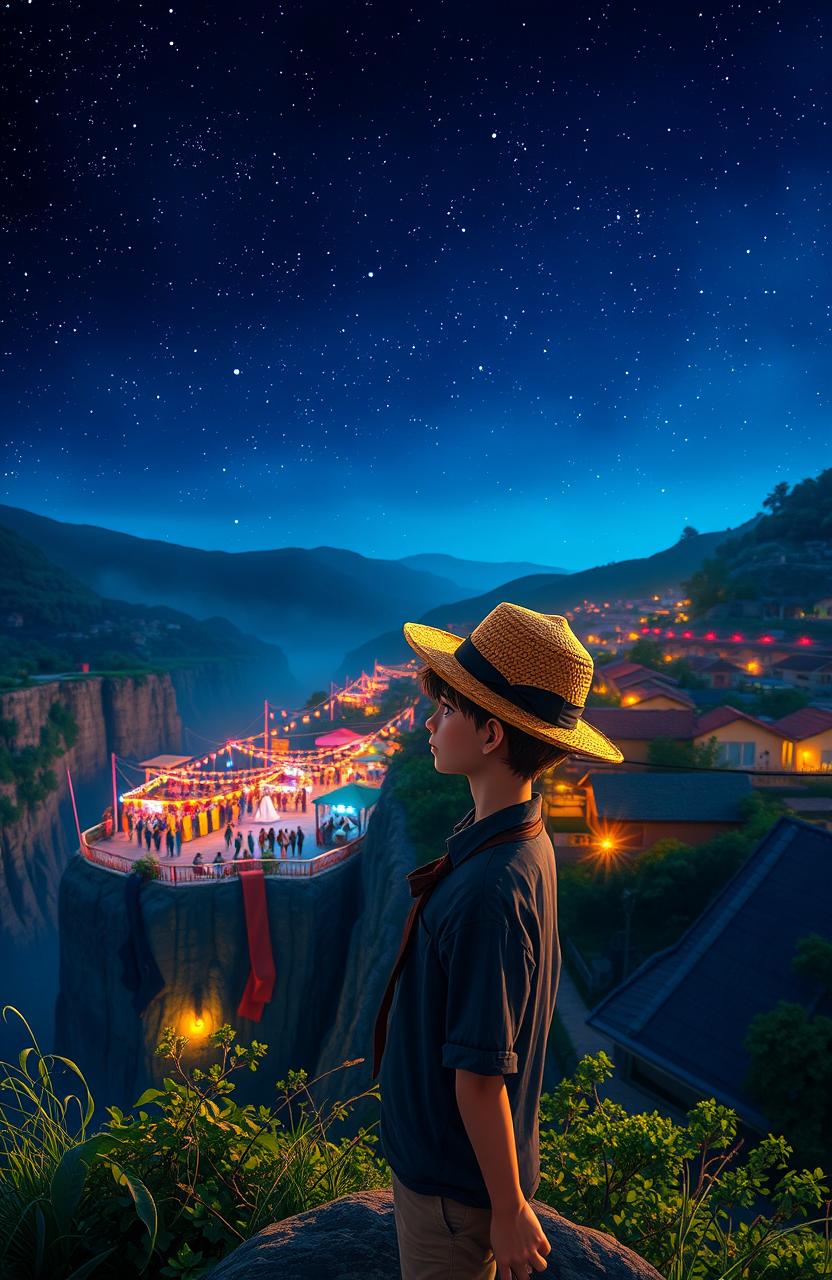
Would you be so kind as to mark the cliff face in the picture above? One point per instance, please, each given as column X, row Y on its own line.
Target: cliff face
column 133, row 718
column 198, row 937
column 121, row 715
column 334, row 938
column 220, row 699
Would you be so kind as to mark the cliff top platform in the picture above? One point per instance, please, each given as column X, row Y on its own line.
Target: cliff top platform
column 118, row 853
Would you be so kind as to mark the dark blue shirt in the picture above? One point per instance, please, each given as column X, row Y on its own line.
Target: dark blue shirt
column 477, row 991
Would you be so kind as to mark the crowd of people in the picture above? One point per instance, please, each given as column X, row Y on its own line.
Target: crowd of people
column 338, row 830
column 261, row 848
column 151, row 827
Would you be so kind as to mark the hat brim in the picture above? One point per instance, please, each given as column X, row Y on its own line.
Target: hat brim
column 436, row 647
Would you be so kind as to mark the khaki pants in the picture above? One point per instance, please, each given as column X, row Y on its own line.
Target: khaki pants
column 440, row 1238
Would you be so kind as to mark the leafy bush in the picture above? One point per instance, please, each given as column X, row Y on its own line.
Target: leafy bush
column 147, row 866
column 171, row 1190
column 677, row 1194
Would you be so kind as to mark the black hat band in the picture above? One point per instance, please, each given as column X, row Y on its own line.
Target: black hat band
column 542, row 703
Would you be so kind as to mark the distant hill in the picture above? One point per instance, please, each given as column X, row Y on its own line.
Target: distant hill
column 785, row 554
column 476, row 576
column 52, row 621
column 618, row 580
column 312, row 603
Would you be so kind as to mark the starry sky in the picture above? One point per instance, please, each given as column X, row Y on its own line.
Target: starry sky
column 507, row 281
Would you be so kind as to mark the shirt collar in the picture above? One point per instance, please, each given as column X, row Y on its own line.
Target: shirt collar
column 468, row 835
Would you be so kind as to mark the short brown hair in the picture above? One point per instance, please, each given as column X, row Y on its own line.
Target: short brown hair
column 526, row 755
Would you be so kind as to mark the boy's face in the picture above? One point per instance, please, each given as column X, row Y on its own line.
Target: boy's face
column 457, row 743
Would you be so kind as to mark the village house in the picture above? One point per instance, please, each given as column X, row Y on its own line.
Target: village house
column 800, row 741
column 633, row 729
column 637, row 685
column 720, row 673
column 745, row 742
column 656, row 695
column 809, row 737
column 627, row 813
column 679, row 1021
column 810, row 671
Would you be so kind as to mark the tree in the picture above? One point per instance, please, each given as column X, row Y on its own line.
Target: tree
column 648, row 652
column 791, row 1056
column 776, row 500
column 685, row 755
column 710, row 585
column 689, row 532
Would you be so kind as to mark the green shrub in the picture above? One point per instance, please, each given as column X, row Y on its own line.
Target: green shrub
column 172, row 1189
column 147, row 866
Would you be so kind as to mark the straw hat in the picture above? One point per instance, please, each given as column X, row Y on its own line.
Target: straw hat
column 527, row 668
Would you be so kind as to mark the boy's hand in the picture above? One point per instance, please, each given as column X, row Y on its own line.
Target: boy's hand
column 519, row 1244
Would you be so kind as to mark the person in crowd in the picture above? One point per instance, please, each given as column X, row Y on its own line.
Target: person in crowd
column 261, row 839
column 218, row 863
column 129, row 824
column 178, row 836
column 139, row 829
column 197, row 864
column 148, row 835
column 271, row 839
column 157, row 837
column 300, row 842
column 229, row 836
column 238, row 841
column 169, row 842
column 303, row 800
column 250, row 842
column 292, row 839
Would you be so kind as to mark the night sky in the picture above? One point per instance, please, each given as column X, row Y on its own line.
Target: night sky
column 506, row 281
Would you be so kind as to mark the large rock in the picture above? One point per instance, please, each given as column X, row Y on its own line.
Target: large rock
column 356, row 1236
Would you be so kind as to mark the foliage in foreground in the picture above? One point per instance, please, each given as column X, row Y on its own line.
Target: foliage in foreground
column 169, row 1191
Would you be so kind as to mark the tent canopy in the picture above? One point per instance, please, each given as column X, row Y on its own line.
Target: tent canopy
column 163, row 762
column 357, row 794
column 338, row 738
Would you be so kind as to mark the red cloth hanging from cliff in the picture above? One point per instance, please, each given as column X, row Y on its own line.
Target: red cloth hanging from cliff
column 260, row 984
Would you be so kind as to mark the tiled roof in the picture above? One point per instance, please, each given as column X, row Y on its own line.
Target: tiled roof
column 701, row 795
column 719, row 664
column 805, row 662
column 618, row 668
column 804, row 723
column 626, row 722
column 717, row 717
column 687, row 1009
column 641, row 674
column 658, row 689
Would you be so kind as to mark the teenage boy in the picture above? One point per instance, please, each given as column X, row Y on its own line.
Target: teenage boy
column 472, row 994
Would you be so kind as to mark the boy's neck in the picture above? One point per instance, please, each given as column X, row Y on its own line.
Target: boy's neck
column 490, row 794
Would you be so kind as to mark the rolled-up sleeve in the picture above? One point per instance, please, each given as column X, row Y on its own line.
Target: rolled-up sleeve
column 489, row 974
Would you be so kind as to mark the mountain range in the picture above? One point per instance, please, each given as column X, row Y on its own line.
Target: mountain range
column 332, row 612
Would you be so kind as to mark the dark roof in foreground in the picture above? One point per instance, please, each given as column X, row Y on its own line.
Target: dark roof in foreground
column 687, row 1008
column 702, row 795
